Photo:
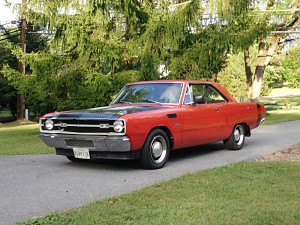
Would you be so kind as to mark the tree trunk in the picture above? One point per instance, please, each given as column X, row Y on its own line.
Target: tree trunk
column 263, row 59
column 248, row 70
column 20, row 98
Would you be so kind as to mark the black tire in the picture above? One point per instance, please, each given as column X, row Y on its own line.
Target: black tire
column 237, row 138
column 73, row 159
column 155, row 152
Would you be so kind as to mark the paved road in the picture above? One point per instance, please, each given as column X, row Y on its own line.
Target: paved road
column 37, row 185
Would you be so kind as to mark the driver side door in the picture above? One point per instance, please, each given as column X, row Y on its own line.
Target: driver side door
column 203, row 117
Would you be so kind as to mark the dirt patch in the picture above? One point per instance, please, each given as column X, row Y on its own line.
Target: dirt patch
column 290, row 154
column 16, row 123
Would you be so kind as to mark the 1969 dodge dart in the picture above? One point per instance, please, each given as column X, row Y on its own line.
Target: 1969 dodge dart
column 149, row 119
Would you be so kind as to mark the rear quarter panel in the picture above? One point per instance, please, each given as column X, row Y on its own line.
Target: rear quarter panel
column 248, row 113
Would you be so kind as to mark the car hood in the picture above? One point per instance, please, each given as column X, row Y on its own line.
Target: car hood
column 108, row 112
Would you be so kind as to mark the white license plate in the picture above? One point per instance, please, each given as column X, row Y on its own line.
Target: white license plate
column 81, row 153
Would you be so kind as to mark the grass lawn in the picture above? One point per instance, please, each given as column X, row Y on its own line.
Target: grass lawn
column 295, row 101
column 22, row 140
column 284, row 91
column 241, row 193
column 278, row 116
column 278, row 112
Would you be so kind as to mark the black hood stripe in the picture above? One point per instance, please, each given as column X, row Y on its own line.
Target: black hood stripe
column 109, row 112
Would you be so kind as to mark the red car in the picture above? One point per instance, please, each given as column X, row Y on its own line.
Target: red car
column 149, row 119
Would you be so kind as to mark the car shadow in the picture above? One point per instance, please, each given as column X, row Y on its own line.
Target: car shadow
column 201, row 150
column 176, row 155
column 105, row 164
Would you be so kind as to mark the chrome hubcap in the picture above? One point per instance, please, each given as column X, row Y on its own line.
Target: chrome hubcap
column 158, row 149
column 238, row 134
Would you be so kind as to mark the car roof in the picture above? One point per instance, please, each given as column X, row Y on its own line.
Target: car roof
column 173, row 81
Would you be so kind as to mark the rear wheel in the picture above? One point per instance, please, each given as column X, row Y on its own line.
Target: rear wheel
column 156, row 150
column 237, row 138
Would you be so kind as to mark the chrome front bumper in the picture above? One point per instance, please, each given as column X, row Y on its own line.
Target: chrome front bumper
column 93, row 143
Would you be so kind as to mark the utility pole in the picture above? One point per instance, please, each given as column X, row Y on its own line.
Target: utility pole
column 20, row 98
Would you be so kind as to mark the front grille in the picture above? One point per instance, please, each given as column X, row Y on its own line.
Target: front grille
column 86, row 129
column 79, row 143
column 82, row 126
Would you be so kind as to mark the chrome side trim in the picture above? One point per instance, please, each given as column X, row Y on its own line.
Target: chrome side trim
column 262, row 120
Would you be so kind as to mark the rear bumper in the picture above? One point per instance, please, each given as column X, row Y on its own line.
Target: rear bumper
column 262, row 120
column 93, row 143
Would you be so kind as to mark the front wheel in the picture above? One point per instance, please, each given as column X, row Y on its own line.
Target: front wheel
column 156, row 150
column 237, row 138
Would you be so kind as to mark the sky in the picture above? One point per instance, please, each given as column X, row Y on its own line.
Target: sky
column 6, row 14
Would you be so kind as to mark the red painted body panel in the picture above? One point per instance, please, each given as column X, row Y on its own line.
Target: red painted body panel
column 194, row 124
column 140, row 124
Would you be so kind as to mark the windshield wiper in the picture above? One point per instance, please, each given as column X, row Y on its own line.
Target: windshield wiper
column 121, row 101
column 150, row 101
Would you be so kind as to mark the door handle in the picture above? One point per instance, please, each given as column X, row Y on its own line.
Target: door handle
column 216, row 109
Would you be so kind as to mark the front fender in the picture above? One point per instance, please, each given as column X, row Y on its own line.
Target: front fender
column 138, row 129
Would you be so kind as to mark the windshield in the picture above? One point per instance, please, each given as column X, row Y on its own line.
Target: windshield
column 150, row 93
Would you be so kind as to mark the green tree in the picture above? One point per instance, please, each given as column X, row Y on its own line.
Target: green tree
column 113, row 36
column 291, row 67
column 7, row 92
column 93, row 42
column 91, row 57
column 282, row 23
column 35, row 42
column 232, row 75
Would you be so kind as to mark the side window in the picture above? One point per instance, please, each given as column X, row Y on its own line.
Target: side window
column 199, row 93
column 214, row 96
column 188, row 97
column 195, row 94
column 202, row 94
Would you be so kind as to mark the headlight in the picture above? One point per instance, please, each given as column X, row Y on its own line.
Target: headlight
column 49, row 124
column 118, row 126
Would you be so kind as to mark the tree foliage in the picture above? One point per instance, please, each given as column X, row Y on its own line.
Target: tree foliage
column 232, row 75
column 59, row 84
column 7, row 91
column 291, row 67
column 34, row 42
column 283, row 70
column 282, row 23
column 113, row 36
column 99, row 45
